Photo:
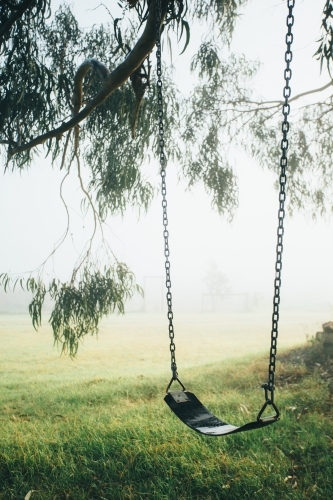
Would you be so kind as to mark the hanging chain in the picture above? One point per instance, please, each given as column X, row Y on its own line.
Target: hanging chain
column 162, row 159
column 269, row 386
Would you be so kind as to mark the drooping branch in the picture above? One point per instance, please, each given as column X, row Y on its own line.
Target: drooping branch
column 84, row 68
column 114, row 80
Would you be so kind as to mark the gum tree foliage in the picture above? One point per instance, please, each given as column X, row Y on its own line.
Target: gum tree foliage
column 310, row 173
column 87, row 99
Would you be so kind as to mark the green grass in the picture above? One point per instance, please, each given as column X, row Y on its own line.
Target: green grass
column 83, row 436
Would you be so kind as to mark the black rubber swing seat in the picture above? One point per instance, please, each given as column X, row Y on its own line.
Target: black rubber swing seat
column 187, row 407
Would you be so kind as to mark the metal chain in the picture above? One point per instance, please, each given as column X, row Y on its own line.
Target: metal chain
column 269, row 387
column 162, row 159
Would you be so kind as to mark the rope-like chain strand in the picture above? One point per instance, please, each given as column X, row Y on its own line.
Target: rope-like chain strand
column 163, row 162
column 269, row 386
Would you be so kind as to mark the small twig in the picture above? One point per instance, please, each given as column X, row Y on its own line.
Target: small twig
column 65, row 150
column 95, row 215
column 103, row 5
column 62, row 238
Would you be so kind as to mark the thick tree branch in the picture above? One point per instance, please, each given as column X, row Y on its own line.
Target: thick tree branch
column 116, row 78
column 83, row 69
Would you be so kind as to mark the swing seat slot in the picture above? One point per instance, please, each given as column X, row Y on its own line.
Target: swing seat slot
column 179, row 396
column 196, row 416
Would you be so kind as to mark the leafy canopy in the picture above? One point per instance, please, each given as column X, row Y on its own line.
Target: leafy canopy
column 86, row 99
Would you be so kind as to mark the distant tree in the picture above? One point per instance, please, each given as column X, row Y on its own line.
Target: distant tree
column 86, row 99
column 217, row 283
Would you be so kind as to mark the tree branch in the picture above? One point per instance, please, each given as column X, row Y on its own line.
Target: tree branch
column 277, row 103
column 314, row 91
column 116, row 78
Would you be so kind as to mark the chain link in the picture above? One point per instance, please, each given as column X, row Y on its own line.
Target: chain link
column 269, row 386
column 162, row 159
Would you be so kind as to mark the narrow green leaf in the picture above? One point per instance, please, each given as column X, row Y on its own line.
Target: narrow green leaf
column 187, row 29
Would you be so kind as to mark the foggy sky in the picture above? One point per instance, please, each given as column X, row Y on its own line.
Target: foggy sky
column 33, row 217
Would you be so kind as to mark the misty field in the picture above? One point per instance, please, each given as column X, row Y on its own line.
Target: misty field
column 97, row 427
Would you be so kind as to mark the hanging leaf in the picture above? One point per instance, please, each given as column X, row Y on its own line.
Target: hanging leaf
column 187, row 29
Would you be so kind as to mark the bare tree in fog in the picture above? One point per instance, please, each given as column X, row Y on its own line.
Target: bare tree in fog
column 217, row 283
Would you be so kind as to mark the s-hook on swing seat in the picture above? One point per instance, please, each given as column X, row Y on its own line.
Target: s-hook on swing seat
column 183, row 403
